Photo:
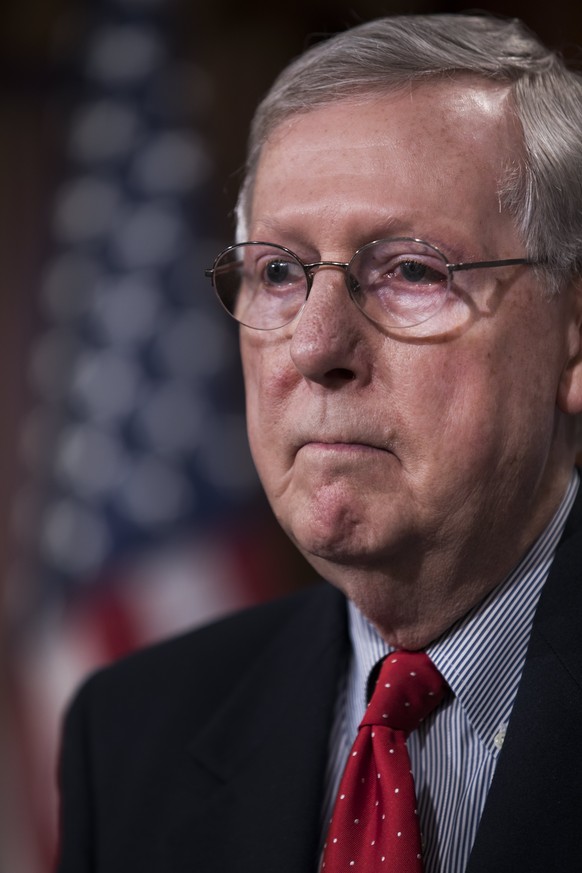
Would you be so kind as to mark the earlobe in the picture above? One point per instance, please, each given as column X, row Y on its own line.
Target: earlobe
column 570, row 386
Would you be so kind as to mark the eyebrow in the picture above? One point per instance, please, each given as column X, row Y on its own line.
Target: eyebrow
column 294, row 237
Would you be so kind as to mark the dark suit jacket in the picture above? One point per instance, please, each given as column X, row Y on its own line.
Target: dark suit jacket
column 207, row 754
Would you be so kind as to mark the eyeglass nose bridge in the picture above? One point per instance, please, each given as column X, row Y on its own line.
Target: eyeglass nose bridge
column 310, row 270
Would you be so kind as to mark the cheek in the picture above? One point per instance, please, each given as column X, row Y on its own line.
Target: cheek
column 434, row 386
column 270, row 382
column 456, row 401
column 478, row 406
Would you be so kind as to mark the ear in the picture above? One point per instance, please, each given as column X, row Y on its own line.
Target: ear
column 570, row 385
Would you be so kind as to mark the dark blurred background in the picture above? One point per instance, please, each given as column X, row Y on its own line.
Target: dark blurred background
column 129, row 508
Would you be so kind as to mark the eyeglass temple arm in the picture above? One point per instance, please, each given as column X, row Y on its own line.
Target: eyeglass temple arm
column 476, row 265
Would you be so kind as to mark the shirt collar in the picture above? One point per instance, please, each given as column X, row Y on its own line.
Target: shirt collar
column 482, row 655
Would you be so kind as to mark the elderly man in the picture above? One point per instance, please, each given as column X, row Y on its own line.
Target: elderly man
column 408, row 284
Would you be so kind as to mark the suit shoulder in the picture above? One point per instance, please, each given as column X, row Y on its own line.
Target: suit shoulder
column 201, row 661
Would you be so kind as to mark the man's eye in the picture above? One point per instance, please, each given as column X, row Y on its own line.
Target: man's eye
column 417, row 272
column 278, row 272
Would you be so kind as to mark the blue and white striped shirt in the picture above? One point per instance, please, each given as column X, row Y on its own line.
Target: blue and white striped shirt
column 455, row 750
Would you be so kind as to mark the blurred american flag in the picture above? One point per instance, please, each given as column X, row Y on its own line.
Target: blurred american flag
column 129, row 522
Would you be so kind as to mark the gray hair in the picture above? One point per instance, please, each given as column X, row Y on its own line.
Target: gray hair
column 542, row 187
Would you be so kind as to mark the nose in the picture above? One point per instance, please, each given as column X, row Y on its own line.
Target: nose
column 328, row 345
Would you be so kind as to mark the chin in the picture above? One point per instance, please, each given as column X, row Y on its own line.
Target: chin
column 325, row 552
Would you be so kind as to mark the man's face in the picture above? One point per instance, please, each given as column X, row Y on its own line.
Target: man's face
column 378, row 449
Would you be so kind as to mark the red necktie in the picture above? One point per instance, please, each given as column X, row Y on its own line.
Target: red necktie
column 374, row 828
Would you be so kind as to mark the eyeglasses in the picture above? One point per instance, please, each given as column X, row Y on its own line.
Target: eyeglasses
column 397, row 283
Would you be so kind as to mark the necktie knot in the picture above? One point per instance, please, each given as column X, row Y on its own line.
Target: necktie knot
column 408, row 688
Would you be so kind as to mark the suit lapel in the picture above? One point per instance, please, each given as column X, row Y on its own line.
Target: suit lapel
column 531, row 820
column 256, row 770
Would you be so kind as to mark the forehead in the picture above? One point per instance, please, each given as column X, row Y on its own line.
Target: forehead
column 433, row 153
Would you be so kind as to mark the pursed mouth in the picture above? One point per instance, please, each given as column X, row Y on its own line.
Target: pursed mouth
column 344, row 446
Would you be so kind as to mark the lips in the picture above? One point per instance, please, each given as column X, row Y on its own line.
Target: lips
column 343, row 436
column 343, row 445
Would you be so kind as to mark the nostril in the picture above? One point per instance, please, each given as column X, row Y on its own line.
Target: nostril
column 341, row 373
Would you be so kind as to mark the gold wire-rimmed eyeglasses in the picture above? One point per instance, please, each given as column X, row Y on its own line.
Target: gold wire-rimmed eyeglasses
column 397, row 283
